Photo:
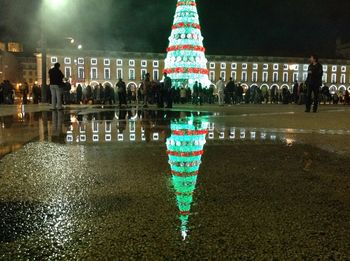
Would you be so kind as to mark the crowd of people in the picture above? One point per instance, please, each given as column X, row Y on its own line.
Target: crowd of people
column 164, row 94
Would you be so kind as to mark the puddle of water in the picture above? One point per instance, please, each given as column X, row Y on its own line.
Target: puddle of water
column 86, row 176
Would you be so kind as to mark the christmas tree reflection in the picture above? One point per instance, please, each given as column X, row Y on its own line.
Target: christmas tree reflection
column 185, row 150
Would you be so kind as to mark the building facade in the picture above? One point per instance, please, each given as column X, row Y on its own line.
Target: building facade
column 94, row 67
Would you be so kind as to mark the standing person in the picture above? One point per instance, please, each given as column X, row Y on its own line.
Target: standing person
column 168, row 90
column 36, row 92
column 314, row 83
column 25, row 91
column 221, row 91
column 79, row 94
column 295, row 92
column 231, row 92
column 66, row 92
column 56, row 86
column 183, row 94
column 147, row 85
column 122, row 93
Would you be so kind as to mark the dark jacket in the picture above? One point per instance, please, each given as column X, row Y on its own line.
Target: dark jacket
column 315, row 74
column 56, row 77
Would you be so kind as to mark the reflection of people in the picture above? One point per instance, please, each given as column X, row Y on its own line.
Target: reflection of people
column 56, row 85
column 314, row 82
column 57, row 120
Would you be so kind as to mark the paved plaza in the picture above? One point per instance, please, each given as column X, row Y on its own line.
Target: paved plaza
column 100, row 183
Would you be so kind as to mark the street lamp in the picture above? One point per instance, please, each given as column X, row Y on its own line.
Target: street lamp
column 46, row 4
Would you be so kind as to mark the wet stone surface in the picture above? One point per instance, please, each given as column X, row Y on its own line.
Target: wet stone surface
column 290, row 205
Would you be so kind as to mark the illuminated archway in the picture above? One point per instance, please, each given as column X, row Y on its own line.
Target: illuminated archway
column 93, row 83
column 333, row 89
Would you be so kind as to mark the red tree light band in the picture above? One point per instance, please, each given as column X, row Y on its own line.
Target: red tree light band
column 182, row 25
column 184, row 194
column 186, row 47
column 185, row 213
column 189, row 132
column 186, row 3
column 186, row 70
column 179, row 174
column 185, row 154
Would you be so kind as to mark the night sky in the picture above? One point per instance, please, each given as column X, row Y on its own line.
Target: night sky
column 231, row 27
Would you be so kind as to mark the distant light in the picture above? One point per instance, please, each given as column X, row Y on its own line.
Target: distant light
column 72, row 41
column 80, row 47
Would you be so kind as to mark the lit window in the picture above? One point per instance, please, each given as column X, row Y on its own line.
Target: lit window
column 107, row 73
column 144, row 63
column 93, row 61
column 107, row 62
column 285, row 67
column 68, row 72
column 212, row 65
column 223, row 75
column 155, row 74
column 54, row 59
column 80, row 60
column 119, row 73
column 119, row 62
column 275, row 77
column 296, row 67
column 131, row 63
column 67, row 60
column 343, row 69
column 244, row 77
column 255, row 66
column 295, row 77
column 155, row 64
column 334, row 78
column 143, row 73
column 94, row 73
column 334, row 68
column 305, row 76
column 244, row 66
column 233, row 66
column 306, row 67
column 255, row 76
column 275, row 66
column 131, row 74
column 325, row 77
column 265, row 76
column 285, row 77
column 325, row 68
column 223, row 66
column 342, row 78
column 234, row 76
column 81, row 73
column 212, row 76
column 265, row 66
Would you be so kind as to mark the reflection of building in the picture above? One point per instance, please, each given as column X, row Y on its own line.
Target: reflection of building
column 92, row 67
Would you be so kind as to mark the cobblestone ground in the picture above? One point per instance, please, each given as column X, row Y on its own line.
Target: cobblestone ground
column 255, row 199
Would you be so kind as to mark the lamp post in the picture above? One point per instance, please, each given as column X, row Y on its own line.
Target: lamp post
column 46, row 5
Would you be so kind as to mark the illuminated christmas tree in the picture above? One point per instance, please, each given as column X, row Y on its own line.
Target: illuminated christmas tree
column 185, row 150
column 185, row 62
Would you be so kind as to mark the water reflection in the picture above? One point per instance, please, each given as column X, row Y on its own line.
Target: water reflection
column 185, row 150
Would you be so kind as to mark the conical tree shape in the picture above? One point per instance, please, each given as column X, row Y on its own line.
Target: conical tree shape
column 185, row 62
column 185, row 150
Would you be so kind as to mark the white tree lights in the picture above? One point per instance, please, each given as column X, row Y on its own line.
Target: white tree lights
column 185, row 62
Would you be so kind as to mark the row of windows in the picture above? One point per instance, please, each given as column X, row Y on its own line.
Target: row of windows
column 276, row 67
column 275, row 77
column 107, row 73
column 106, row 62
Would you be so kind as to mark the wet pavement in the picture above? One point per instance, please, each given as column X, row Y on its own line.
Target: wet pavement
column 245, row 182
